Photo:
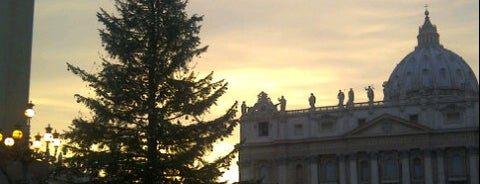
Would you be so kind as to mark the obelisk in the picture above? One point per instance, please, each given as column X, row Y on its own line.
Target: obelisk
column 16, row 27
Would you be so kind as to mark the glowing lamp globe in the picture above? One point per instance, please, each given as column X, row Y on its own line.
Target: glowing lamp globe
column 56, row 142
column 48, row 134
column 29, row 112
column 37, row 143
column 9, row 142
column 17, row 134
column 56, row 138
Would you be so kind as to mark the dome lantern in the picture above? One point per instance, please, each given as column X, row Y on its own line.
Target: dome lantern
column 427, row 34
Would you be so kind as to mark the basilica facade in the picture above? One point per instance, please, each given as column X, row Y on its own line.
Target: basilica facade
column 425, row 130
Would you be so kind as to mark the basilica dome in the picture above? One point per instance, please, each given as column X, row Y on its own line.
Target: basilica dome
column 430, row 71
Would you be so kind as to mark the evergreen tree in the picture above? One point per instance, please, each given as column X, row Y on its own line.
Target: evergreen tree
column 148, row 113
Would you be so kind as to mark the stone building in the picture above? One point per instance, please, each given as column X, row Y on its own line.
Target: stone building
column 424, row 131
column 16, row 26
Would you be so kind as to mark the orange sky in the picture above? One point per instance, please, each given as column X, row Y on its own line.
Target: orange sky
column 283, row 47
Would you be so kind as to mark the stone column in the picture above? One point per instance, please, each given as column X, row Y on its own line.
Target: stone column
column 282, row 171
column 440, row 167
column 405, row 167
column 374, row 168
column 428, row 166
column 341, row 167
column 473, row 160
column 314, row 170
column 353, row 168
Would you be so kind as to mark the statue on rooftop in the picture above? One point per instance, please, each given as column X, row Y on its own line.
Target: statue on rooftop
column 351, row 98
column 312, row 100
column 340, row 97
column 244, row 108
column 264, row 104
column 370, row 94
column 283, row 103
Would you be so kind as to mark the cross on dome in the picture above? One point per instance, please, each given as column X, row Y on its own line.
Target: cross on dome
column 426, row 10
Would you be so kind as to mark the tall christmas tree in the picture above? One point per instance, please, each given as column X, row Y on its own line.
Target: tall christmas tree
column 147, row 123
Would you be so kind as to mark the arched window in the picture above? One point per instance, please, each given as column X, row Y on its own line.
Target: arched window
column 263, row 174
column 331, row 171
column 459, row 74
column 364, row 171
column 328, row 169
column 443, row 73
column 417, row 169
column 299, row 174
column 390, row 168
column 457, row 165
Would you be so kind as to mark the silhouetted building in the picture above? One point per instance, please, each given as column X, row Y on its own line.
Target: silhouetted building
column 16, row 26
column 424, row 131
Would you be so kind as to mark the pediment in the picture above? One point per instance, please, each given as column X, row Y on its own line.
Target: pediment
column 387, row 124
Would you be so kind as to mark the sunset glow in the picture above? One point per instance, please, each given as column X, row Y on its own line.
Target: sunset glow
column 287, row 47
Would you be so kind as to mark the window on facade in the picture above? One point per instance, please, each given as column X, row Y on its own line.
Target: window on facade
column 298, row 129
column 331, row 171
column 459, row 74
column 417, row 169
column 263, row 174
column 390, row 169
column 414, row 118
column 327, row 126
column 443, row 72
column 361, row 121
column 328, row 169
column 364, row 171
column 263, row 129
column 457, row 166
column 299, row 174
column 453, row 117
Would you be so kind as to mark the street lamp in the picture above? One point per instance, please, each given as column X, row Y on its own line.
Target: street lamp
column 48, row 137
column 37, row 143
column 9, row 142
column 16, row 145
column 17, row 135
column 29, row 112
column 20, row 152
column 56, row 141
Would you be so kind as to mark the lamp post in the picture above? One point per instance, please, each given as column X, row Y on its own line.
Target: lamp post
column 21, row 152
column 37, row 143
column 17, row 135
column 29, row 113
column 48, row 137
column 56, row 142
column 16, row 145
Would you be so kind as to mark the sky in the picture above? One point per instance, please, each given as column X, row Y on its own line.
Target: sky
column 287, row 48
